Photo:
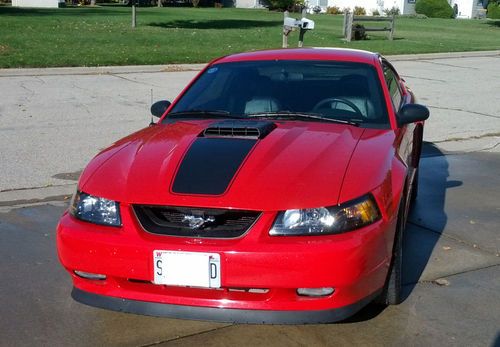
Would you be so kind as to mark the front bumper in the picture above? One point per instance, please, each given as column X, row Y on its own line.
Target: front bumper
column 355, row 264
column 218, row 314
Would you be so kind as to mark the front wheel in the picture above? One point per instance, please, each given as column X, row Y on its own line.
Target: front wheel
column 391, row 294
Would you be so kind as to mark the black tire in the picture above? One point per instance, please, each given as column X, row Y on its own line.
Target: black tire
column 391, row 294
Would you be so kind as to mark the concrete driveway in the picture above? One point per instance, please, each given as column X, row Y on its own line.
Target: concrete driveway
column 53, row 121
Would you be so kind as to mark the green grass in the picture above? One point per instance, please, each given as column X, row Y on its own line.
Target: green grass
column 103, row 35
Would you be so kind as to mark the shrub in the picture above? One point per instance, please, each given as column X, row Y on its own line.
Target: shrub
column 393, row 11
column 434, row 8
column 375, row 12
column 334, row 10
column 359, row 11
column 358, row 32
column 284, row 5
column 493, row 11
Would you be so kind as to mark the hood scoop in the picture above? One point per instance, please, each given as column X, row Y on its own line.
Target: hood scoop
column 239, row 129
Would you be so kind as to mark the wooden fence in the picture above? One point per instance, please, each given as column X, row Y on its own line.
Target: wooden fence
column 350, row 21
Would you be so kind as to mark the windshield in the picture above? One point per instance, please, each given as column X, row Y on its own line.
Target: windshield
column 349, row 92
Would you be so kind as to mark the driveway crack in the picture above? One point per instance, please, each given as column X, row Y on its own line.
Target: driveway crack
column 186, row 336
column 450, row 65
column 491, row 147
column 424, row 78
column 39, row 187
column 476, row 137
column 433, row 281
column 134, row 81
column 454, row 238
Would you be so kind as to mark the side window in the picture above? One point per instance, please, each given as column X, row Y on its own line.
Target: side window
column 392, row 84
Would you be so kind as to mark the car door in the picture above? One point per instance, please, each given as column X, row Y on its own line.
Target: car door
column 405, row 134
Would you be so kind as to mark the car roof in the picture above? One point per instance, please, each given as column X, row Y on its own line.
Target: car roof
column 323, row 53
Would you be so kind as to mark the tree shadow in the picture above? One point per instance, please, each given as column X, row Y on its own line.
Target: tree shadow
column 494, row 23
column 216, row 24
column 420, row 238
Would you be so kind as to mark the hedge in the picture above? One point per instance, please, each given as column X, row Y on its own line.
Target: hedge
column 494, row 11
column 434, row 8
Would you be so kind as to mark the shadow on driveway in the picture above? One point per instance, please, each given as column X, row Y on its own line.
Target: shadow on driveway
column 419, row 242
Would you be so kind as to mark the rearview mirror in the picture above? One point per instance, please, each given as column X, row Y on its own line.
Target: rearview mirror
column 411, row 113
column 159, row 108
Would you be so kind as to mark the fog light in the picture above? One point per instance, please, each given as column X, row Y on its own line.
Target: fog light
column 89, row 275
column 315, row 291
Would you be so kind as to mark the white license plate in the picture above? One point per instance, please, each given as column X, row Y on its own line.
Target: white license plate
column 186, row 268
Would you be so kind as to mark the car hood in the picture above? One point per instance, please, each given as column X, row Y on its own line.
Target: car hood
column 297, row 165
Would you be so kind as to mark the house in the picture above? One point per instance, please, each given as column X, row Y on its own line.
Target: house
column 405, row 6
column 249, row 4
column 38, row 3
column 464, row 8
column 468, row 8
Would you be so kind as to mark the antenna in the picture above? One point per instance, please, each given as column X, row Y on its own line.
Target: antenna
column 152, row 121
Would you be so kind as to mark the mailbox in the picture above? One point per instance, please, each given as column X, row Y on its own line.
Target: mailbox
column 291, row 24
column 302, row 23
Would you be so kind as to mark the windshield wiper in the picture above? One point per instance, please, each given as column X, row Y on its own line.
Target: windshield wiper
column 202, row 114
column 303, row 115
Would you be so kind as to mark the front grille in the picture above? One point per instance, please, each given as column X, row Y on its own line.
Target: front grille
column 195, row 222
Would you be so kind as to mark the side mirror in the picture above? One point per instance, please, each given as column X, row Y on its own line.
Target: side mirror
column 159, row 108
column 411, row 113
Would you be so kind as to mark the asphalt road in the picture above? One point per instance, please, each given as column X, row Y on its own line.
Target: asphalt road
column 53, row 121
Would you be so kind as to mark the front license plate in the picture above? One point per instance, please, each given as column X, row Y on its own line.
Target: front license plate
column 186, row 268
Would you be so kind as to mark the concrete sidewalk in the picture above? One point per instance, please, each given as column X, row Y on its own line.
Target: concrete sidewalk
column 128, row 69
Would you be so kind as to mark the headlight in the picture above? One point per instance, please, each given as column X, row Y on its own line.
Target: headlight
column 94, row 209
column 327, row 220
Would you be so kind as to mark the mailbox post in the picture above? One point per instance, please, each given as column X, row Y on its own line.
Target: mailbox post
column 291, row 24
column 134, row 15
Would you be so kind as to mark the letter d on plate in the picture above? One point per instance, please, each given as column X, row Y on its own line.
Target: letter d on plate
column 214, row 271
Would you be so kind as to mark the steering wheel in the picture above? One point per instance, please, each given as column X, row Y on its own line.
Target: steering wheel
column 330, row 101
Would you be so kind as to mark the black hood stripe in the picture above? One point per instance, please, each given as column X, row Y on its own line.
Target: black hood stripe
column 210, row 164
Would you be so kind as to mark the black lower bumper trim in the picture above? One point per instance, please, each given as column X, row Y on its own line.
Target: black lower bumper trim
column 219, row 314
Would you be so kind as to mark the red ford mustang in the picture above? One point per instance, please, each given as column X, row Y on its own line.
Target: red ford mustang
column 274, row 189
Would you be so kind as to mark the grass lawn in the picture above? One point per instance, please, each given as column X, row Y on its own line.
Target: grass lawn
column 103, row 35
